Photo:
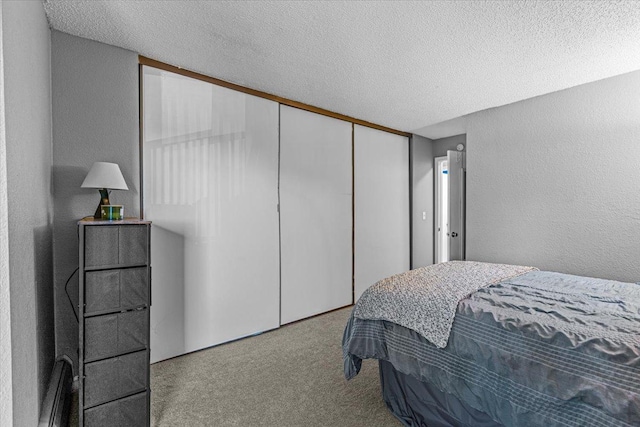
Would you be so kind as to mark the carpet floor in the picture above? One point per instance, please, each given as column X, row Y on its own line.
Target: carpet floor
column 291, row 376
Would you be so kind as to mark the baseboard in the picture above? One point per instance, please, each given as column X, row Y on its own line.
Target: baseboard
column 55, row 408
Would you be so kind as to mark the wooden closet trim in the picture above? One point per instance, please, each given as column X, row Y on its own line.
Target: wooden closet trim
column 166, row 67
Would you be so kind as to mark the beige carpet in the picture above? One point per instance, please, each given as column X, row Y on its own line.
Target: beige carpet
column 291, row 376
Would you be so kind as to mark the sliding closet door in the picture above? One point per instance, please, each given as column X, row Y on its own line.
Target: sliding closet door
column 315, row 213
column 210, row 186
column 381, row 169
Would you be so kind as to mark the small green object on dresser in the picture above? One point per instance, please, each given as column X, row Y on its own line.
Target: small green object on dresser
column 112, row 212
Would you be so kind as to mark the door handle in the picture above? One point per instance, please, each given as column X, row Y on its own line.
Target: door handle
column 454, row 234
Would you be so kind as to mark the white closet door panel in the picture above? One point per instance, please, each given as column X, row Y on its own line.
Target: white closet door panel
column 381, row 169
column 211, row 189
column 315, row 213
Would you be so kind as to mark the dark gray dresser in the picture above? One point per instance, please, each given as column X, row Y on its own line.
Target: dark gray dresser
column 115, row 296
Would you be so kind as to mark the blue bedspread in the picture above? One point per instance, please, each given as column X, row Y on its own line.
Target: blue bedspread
column 541, row 349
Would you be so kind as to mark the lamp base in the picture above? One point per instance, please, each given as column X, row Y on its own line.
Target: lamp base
column 104, row 200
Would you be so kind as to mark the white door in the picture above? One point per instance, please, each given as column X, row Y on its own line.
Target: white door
column 315, row 213
column 381, row 174
column 441, row 209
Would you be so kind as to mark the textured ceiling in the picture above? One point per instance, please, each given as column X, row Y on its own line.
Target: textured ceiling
column 405, row 65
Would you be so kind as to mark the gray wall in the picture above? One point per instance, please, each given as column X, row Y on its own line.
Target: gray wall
column 95, row 118
column 422, row 201
column 554, row 181
column 423, row 151
column 6, row 399
column 442, row 145
column 27, row 115
column 440, row 148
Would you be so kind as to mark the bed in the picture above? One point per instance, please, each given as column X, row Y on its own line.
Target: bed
column 483, row 345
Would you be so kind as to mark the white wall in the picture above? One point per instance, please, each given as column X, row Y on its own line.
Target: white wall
column 27, row 115
column 95, row 118
column 554, row 181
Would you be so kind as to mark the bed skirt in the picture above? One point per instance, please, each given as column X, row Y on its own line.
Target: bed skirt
column 419, row 404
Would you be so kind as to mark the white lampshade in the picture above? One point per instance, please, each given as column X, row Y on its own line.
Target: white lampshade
column 105, row 175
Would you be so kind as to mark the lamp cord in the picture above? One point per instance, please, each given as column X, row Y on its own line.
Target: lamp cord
column 69, row 296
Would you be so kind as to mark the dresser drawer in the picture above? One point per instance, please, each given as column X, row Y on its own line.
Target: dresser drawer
column 113, row 378
column 116, row 333
column 118, row 289
column 128, row 412
column 114, row 245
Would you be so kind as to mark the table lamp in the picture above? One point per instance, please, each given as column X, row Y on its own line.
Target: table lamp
column 104, row 176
